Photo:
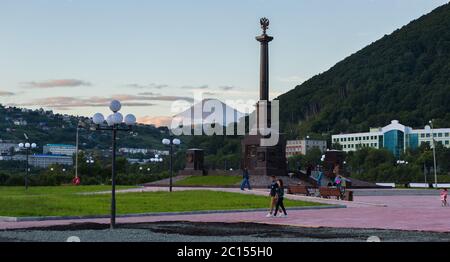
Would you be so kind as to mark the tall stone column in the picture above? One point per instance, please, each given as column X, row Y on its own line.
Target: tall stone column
column 264, row 39
column 263, row 160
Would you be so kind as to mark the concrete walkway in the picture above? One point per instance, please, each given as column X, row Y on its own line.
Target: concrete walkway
column 403, row 212
column 259, row 192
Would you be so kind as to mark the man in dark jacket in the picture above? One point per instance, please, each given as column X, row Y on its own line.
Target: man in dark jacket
column 245, row 179
column 273, row 195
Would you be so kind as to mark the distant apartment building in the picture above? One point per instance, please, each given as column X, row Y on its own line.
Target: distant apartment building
column 19, row 158
column 128, row 150
column 44, row 161
column 7, row 148
column 13, row 157
column 395, row 137
column 20, row 122
column 300, row 147
column 59, row 149
column 138, row 161
column 159, row 152
column 67, row 118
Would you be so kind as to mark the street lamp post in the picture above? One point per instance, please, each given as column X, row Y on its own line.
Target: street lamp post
column 89, row 162
column 434, row 154
column 425, row 172
column 76, row 148
column 156, row 159
column 27, row 146
column 171, row 142
column 114, row 122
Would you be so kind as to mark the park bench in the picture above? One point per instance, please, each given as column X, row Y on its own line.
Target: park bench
column 328, row 192
column 298, row 189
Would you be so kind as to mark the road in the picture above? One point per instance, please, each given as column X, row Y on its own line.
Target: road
column 372, row 211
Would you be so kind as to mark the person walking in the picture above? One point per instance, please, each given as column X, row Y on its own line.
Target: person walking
column 444, row 194
column 245, row 179
column 308, row 170
column 343, row 184
column 338, row 183
column 280, row 198
column 273, row 195
column 336, row 170
column 319, row 178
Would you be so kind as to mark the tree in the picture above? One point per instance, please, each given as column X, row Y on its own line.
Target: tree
column 402, row 76
column 336, row 146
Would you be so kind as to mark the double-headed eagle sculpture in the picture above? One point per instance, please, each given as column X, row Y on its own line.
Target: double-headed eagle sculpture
column 264, row 24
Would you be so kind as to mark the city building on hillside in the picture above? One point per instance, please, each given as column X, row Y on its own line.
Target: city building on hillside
column 20, row 122
column 7, row 148
column 19, row 158
column 127, row 150
column 159, row 152
column 59, row 149
column 138, row 161
column 302, row 146
column 67, row 118
column 395, row 137
column 44, row 161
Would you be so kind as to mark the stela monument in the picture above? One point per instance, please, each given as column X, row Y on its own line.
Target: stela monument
column 263, row 160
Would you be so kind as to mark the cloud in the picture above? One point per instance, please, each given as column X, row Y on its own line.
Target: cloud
column 226, row 88
column 148, row 94
column 158, row 86
column 155, row 120
column 56, row 83
column 150, row 98
column 195, row 87
column 67, row 102
column 171, row 98
column 6, row 93
column 152, row 85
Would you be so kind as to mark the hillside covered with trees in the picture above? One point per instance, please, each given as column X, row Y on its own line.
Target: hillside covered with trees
column 45, row 127
column 403, row 76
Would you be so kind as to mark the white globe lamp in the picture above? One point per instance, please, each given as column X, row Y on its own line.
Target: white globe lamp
column 117, row 118
column 130, row 120
column 109, row 120
column 115, row 106
column 98, row 119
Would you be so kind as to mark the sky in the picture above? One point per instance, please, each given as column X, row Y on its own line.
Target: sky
column 74, row 56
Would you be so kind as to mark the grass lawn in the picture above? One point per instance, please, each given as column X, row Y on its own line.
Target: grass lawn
column 210, row 181
column 53, row 201
column 59, row 190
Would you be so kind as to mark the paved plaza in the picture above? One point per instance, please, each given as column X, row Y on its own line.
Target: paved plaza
column 410, row 210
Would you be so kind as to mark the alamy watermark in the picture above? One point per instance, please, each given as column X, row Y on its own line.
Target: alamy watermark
column 212, row 117
column 73, row 239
